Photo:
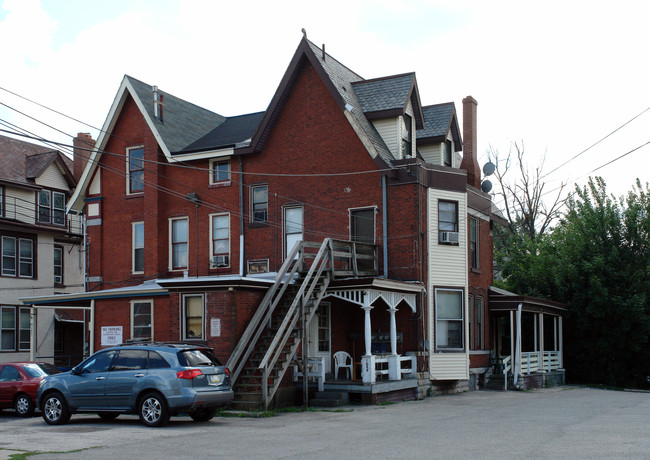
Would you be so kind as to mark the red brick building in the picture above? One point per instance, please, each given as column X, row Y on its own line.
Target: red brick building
column 191, row 219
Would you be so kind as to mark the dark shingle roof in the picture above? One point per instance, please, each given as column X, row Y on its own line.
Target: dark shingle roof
column 183, row 122
column 384, row 94
column 229, row 133
column 21, row 162
column 437, row 119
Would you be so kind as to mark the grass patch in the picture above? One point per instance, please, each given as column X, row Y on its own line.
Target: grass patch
column 23, row 455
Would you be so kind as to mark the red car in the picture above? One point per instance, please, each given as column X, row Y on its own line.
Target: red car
column 19, row 383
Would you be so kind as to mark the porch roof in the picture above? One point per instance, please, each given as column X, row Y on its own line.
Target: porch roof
column 502, row 300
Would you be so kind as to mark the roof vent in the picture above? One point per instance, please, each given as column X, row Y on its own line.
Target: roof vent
column 157, row 104
column 323, row 51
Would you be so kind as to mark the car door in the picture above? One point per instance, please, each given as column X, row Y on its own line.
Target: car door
column 9, row 382
column 87, row 385
column 126, row 378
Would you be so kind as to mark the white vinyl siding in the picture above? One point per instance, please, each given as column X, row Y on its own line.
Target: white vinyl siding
column 95, row 187
column 52, row 178
column 389, row 130
column 447, row 269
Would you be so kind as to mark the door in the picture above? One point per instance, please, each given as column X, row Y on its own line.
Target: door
column 126, row 379
column 88, row 387
column 320, row 335
column 9, row 383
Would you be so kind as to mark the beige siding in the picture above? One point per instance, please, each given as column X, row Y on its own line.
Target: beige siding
column 431, row 153
column 447, row 268
column 52, row 178
column 20, row 204
column 389, row 129
column 95, row 185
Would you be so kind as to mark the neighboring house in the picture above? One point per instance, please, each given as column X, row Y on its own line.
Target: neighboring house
column 41, row 247
column 342, row 218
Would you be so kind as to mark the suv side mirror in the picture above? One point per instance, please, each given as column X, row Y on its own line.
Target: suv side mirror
column 75, row 370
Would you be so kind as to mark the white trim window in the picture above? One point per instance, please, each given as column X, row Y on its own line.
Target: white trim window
column 259, row 203
column 448, row 222
column 219, row 172
column 134, row 170
column 7, row 328
column 178, row 243
column 193, row 317
column 219, row 240
column 142, row 319
column 58, row 265
column 449, row 319
column 292, row 227
column 17, row 257
column 137, row 240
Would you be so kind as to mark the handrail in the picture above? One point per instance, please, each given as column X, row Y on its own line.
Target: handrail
column 256, row 326
column 291, row 318
column 506, row 368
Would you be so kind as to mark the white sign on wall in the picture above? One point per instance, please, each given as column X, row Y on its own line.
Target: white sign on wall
column 215, row 327
column 111, row 335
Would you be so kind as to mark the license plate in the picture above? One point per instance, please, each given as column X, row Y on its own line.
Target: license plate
column 214, row 379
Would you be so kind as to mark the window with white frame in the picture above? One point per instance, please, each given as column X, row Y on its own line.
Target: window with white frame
column 260, row 203
column 142, row 319
column 448, row 222
column 293, row 227
column 473, row 242
column 178, row 248
column 7, row 328
column 135, row 170
column 220, row 240
column 407, row 136
column 17, row 257
column 449, row 319
column 193, row 317
column 219, row 171
column 137, row 230
column 24, row 329
column 58, row 265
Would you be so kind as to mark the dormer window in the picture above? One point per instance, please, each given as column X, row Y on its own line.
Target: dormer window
column 447, row 157
column 407, row 136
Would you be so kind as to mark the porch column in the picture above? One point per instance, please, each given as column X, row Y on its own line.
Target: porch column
column 512, row 335
column 394, row 371
column 541, row 342
column 560, row 344
column 367, row 360
column 32, row 334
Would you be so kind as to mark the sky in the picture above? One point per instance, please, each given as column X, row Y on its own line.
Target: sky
column 555, row 76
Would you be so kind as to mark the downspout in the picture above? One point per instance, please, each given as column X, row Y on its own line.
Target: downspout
column 241, row 218
column 384, row 219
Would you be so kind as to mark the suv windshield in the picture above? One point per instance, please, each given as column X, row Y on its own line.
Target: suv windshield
column 200, row 357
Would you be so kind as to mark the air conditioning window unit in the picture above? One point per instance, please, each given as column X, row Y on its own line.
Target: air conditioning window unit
column 220, row 261
column 449, row 237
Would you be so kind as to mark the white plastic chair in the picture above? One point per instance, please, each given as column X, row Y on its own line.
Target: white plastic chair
column 344, row 360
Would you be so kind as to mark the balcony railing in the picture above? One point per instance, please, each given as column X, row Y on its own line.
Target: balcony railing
column 21, row 210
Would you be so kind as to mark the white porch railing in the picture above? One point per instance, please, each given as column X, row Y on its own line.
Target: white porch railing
column 406, row 365
column 507, row 365
column 530, row 363
column 315, row 369
column 551, row 360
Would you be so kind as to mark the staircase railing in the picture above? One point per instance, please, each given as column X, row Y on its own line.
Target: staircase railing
column 262, row 316
column 507, row 365
column 304, row 304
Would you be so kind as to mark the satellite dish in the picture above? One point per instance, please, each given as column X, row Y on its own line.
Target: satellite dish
column 488, row 168
column 486, row 186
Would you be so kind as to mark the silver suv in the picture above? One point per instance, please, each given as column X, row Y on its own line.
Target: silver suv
column 152, row 380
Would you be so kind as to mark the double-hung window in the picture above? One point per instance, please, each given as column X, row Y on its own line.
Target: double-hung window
column 448, row 154
column 135, row 170
column 7, row 328
column 448, row 222
column 407, row 136
column 142, row 319
column 17, row 257
column 193, row 317
column 138, row 247
column 178, row 229
column 58, row 265
column 260, row 203
column 51, row 207
column 293, row 227
column 220, row 240
column 473, row 242
column 449, row 319
column 220, row 171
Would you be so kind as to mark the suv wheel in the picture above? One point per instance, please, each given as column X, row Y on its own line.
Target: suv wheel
column 55, row 409
column 153, row 410
column 203, row 415
column 24, row 405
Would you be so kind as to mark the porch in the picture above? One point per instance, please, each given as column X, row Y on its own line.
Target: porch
column 528, row 340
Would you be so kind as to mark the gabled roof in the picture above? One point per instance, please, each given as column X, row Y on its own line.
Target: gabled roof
column 21, row 163
column 230, row 133
column 388, row 97
column 338, row 80
column 438, row 120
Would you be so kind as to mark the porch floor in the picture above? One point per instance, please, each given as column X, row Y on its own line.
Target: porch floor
column 383, row 386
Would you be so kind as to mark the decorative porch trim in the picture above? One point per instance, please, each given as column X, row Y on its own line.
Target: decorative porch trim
column 359, row 296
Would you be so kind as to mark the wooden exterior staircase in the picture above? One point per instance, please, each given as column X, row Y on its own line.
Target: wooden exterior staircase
column 270, row 342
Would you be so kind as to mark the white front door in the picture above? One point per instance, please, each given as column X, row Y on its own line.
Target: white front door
column 320, row 336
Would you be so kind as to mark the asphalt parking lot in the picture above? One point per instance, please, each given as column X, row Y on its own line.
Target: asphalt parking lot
column 561, row 422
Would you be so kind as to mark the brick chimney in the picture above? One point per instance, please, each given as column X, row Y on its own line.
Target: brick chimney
column 470, row 163
column 82, row 146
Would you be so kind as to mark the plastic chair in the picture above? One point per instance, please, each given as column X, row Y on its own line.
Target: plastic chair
column 344, row 360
